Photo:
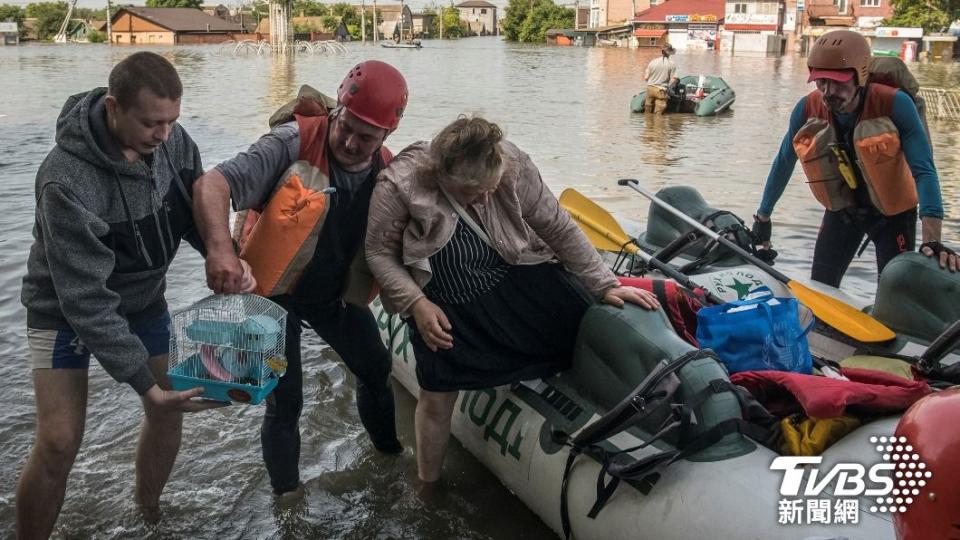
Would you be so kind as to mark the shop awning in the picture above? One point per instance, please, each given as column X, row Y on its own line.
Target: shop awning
column 647, row 33
column 751, row 27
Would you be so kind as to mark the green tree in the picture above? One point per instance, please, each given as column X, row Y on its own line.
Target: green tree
column 350, row 16
column 514, row 16
column 96, row 36
column 89, row 14
column 309, row 8
column 528, row 20
column 13, row 14
column 449, row 20
column 931, row 15
column 330, row 22
column 175, row 3
column 49, row 17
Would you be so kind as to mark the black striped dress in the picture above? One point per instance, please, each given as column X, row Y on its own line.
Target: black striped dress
column 510, row 323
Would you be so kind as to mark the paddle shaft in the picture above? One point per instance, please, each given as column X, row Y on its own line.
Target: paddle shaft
column 943, row 344
column 704, row 229
column 664, row 268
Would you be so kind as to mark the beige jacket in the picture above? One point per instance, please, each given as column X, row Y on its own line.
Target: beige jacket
column 522, row 217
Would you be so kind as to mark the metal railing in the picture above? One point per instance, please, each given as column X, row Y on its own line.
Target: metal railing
column 249, row 46
column 941, row 102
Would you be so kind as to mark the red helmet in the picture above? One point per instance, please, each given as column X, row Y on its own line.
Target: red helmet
column 374, row 92
column 928, row 426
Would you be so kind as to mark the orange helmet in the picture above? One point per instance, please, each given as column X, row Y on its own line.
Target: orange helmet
column 927, row 426
column 374, row 92
column 839, row 51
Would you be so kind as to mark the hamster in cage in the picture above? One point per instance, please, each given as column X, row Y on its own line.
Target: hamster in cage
column 231, row 345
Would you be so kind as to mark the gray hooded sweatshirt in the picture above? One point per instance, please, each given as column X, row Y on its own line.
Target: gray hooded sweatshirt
column 104, row 235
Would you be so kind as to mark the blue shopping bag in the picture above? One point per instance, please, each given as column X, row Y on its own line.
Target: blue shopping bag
column 760, row 332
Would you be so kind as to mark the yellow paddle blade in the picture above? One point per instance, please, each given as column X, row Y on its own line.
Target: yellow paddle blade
column 605, row 233
column 842, row 316
column 601, row 228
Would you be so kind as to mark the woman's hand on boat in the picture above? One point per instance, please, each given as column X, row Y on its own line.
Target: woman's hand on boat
column 433, row 325
column 618, row 296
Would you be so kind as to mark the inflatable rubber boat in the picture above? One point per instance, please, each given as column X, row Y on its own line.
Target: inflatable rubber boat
column 701, row 95
column 728, row 488
column 726, row 491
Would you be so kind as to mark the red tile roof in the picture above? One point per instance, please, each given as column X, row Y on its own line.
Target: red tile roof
column 683, row 7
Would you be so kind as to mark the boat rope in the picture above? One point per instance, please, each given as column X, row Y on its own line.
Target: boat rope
column 652, row 398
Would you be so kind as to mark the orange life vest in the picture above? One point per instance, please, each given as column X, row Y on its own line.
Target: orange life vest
column 879, row 155
column 280, row 241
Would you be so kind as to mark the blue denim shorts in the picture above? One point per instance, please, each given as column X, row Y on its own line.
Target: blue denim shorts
column 62, row 349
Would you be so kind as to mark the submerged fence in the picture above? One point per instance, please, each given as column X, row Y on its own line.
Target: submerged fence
column 942, row 102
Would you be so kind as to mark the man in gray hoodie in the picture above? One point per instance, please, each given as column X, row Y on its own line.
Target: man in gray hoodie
column 113, row 202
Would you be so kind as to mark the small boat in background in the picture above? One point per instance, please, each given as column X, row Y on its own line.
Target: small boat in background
column 412, row 44
column 702, row 95
column 402, row 37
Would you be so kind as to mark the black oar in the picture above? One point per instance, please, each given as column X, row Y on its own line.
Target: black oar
column 839, row 315
column 606, row 234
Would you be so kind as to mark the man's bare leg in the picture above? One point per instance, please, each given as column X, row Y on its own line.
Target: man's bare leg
column 158, row 446
column 61, row 396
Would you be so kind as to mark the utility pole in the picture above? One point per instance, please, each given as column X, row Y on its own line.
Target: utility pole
column 376, row 27
column 363, row 21
column 109, row 25
column 441, row 21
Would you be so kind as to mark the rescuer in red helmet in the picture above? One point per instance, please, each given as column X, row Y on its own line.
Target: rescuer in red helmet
column 935, row 512
column 315, row 168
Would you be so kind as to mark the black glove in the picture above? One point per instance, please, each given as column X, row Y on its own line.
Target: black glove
column 761, row 230
column 937, row 248
column 761, row 233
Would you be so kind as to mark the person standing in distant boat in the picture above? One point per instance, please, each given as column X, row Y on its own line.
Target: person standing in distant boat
column 658, row 75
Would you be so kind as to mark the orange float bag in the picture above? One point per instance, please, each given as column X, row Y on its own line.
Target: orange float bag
column 282, row 241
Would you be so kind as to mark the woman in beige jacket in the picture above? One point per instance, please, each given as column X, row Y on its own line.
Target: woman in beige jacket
column 494, row 273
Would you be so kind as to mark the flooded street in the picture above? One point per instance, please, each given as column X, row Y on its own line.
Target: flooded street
column 566, row 107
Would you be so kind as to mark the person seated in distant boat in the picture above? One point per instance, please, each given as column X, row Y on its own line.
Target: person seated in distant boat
column 490, row 272
column 675, row 90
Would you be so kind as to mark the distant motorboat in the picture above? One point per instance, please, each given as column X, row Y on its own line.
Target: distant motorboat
column 702, row 95
column 415, row 44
